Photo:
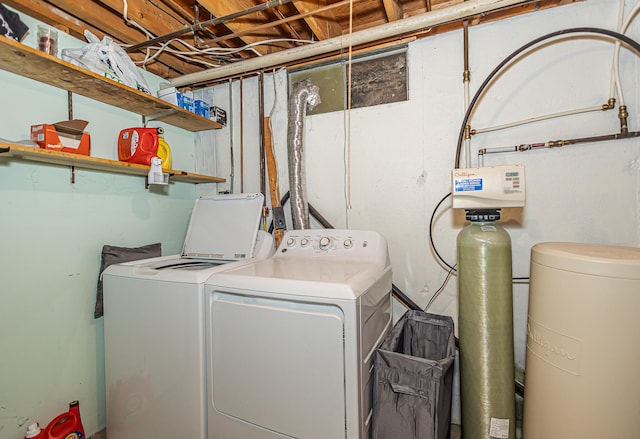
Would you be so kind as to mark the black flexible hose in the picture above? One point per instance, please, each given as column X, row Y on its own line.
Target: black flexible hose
column 433, row 245
column 618, row 36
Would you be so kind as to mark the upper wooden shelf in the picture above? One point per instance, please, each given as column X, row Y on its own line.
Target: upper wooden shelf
column 9, row 150
column 34, row 64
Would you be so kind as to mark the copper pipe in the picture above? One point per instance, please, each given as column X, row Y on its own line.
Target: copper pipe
column 610, row 105
column 606, row 137
column 232, row 174
column 623, row 115
column 465, row 29
column 241, row 141
column 559, row 143
column 263, row 152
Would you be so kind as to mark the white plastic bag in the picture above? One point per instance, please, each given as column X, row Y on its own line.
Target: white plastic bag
column 107, row 59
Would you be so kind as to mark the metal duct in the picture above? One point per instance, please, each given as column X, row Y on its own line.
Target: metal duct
column 399, row 27
column 303, row 94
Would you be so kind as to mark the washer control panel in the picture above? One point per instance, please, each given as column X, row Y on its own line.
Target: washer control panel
column 332, row 243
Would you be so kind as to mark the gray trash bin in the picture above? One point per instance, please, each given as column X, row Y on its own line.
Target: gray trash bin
column 413, row 378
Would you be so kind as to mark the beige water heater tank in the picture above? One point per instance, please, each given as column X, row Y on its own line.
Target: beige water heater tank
column 583, row 343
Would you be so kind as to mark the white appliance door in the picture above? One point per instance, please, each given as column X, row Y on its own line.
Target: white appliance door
column 154, row 359
column 278, row 365
column 223, row 227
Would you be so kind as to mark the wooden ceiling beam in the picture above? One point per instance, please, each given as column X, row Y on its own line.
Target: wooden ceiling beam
column 393, row 10
column 275, row 23
column 43, row 11
column 65, row 16
column 154, row 19
column 221, row 8
column 323, row 26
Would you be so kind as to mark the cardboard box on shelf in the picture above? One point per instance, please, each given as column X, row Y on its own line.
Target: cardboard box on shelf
column 65, row 136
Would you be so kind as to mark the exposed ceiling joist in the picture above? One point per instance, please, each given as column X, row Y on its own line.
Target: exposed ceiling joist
column 392, row 9
column 248, row 36
column 222, row 8
column 323, row 26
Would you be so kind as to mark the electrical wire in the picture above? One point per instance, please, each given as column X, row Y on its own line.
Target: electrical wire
column 221, row 53
column 452, row 268
column 125, row 13
column 441, row 289
column 347, row 152
column 517, row 52
column 433, row 245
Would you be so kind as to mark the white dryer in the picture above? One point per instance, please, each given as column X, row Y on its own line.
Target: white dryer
column 290, row 338
column 154, row 322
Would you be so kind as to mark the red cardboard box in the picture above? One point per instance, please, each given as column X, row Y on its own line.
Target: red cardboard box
column 65, row 136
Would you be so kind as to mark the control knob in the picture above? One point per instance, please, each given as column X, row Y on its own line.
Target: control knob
column 325, row 243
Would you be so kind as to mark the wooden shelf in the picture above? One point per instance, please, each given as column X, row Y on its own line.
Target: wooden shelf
column 39, row 66
column 9, row 150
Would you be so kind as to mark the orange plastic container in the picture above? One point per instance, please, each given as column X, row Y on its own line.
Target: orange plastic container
column 67, row 425
column 138, row 145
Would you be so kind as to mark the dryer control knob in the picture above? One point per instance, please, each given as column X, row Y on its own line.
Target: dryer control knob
column 348, row 243
column 304, row 242
column 291, row 242
column 325, row 243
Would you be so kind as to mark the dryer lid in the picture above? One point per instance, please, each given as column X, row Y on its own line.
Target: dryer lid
column 223, row 227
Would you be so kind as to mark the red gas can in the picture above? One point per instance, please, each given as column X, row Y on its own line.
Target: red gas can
column 67, row 425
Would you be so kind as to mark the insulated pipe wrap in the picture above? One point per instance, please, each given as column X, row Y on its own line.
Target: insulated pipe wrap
column 303, row 94
column 485, row 325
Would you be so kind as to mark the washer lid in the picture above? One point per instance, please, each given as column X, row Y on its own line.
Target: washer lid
column 223, row 227
column 594, row 259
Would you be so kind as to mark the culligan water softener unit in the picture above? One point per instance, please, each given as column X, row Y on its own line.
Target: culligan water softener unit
column 485, row 318
column 583, row 354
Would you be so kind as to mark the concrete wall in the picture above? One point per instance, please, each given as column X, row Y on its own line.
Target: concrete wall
column 401, row 155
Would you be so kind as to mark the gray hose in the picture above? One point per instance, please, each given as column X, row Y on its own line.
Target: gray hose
column 303, row 94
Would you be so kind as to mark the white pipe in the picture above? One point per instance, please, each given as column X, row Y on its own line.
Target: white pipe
column 429, row 19
column 615, row 75
column 538, row 118
column 622, row 28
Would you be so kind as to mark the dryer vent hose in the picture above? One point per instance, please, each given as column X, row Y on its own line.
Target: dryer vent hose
column 304, row 94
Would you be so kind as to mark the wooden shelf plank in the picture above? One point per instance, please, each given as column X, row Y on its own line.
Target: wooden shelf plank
column 9, row 150
column 39, row 66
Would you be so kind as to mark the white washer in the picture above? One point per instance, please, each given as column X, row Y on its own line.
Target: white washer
column 290, row 338
column 154, row 320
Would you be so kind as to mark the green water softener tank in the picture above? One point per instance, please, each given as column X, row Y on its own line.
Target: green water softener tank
column 485, row 324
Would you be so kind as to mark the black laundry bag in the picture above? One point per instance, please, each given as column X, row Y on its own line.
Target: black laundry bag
column 413, row 378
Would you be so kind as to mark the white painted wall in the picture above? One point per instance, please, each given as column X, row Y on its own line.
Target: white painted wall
column 52, row 233
column 402, row 154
